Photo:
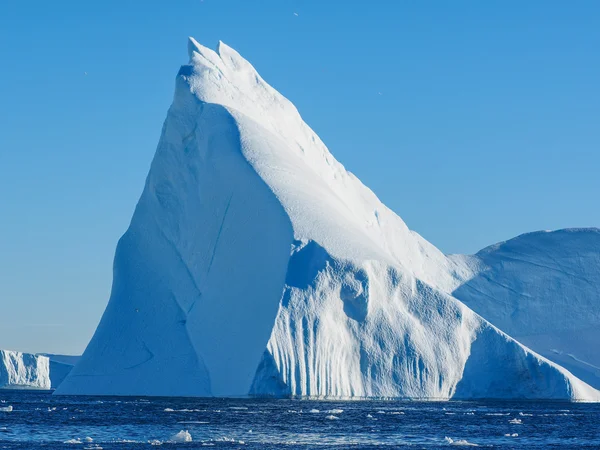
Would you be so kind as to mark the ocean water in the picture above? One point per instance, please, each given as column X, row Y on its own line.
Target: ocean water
column 40, row 420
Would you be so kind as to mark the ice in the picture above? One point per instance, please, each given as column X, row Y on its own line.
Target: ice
column 255, row 263
column 332, row 417
column 335, row 411
column 60, row 367
column 460, row 442
column 182, row 436
column 314, row 411
column 543, row 289
column 24, row 370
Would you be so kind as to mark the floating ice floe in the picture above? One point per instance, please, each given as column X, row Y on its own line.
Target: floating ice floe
column 182, row 436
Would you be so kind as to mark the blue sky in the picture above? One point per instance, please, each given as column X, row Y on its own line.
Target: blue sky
column 474, row 121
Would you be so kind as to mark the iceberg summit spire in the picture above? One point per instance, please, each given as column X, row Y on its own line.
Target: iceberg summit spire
column 255, row 264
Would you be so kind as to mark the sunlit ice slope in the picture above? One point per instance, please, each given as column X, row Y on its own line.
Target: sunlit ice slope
column 256, row 264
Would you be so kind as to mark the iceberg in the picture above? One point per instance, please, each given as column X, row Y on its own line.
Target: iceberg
column 24, row 371
column 60, row 367
column 255, row 264
column 543, row 289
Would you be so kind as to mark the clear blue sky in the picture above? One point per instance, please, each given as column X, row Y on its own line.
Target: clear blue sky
column 487, row 126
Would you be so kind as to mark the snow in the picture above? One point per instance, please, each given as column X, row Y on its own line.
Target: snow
column 24, row 370
column 256, row 264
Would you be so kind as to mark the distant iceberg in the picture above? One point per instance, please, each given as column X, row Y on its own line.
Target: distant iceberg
column 24, row 371
column 60, row 367
column 255, row 264
column 34, row 371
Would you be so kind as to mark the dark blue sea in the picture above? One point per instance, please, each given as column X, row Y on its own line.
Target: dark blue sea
column 40, row 420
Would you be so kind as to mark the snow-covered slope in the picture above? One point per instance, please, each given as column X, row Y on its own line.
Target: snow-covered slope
column 255, row 263
column 543, row 289
column 24, row 370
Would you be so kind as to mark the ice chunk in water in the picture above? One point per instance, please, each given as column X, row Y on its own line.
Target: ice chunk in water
column 182, row 436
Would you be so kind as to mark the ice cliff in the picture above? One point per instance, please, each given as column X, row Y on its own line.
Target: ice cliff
column 24, row 370
column 256, row 264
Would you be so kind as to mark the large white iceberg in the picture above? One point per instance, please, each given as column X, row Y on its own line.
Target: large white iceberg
column 256, row 264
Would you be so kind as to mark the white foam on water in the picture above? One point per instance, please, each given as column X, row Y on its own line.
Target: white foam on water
column 227, row 439
column 335, row 411
column 332, row 417
column 515, row 421
column 314, row 411
column 6, row 408
column 512, row 435
column 184, row 410
column 73, row 441
column 193, row 421
column 525, row 414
